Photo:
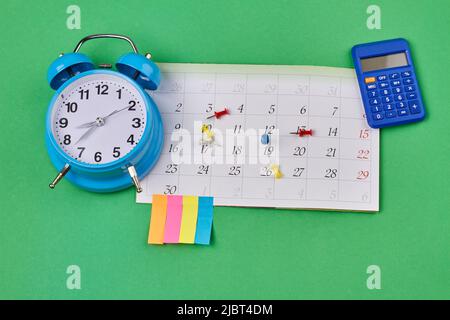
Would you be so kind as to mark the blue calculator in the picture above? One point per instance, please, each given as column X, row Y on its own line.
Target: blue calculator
column 388, row 83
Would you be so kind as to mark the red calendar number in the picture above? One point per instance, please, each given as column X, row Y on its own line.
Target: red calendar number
column 364, row 133
column 362, row 175
column 363, row 154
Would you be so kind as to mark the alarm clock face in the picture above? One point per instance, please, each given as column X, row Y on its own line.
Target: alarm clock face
column 99, row 118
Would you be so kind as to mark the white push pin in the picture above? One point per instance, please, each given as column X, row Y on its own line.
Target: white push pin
column 134, row 178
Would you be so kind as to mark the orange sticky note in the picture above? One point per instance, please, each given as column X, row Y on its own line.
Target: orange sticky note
column 158, row 219
column 189, row 219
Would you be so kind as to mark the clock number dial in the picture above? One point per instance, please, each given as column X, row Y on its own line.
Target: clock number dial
column 63, row 123
column 99, row 118
column 84, row 94
column 81, row 151
column 130, row 139
column 116, row 152
column 98, row 156
column 136, row 123
column 67, row 139
column 71, row 107
column 102, row 89
column 132, row 106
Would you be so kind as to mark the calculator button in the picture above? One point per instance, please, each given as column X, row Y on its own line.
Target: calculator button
column 399, row 97
column 374, row 102
column 382, row 78
column 394, row 75
column 369, row 80
column 385, row 92
column 406, row 74
column 389, row 106
column 410, row 88
column 384, row 85
column 411, row 96
column 397, row 90
column 371, row 86
column 414, row 106
column 372, row 94
column 376, row 109
column 408, row 81
column 378, row 116
column 400, row 105
column 395, row 83
column 386, row 99
column 403, row 112
column 390, row 114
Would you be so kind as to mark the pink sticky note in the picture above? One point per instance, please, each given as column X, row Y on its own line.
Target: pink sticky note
column 173, row 219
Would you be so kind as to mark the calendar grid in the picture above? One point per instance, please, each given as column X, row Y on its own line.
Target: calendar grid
column 259, row 114
column 182, row 118
column 311, row 157
column 214, row 106
column 279, row 73
column 314, row 137
column 244, row 109
column 307, row 144
column 278, row 126
column 266, row 177
column 339, row 148
column 257, row 94
column 355, row 187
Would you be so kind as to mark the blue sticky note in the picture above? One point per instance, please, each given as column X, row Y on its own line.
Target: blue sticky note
column 204, row 220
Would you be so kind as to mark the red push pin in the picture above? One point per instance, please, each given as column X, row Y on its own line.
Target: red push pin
column 219, row 114
column 303, row 132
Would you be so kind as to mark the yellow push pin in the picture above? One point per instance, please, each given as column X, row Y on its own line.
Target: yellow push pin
column 208, row 133
column 276, row 171
column 205, row 128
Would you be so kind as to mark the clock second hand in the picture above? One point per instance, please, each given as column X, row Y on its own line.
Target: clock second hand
column 88, row 131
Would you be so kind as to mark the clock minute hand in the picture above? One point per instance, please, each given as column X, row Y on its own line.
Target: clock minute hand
column 114, row 112
column 94, row 123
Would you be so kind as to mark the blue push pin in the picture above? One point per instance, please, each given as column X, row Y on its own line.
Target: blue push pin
column 265, row 138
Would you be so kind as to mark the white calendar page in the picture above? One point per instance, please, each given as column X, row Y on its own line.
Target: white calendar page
column 336, row 168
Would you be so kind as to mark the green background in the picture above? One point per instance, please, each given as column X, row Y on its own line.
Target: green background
column 256, row 253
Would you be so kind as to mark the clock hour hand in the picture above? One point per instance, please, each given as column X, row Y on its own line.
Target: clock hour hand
column 99, row 122
column 87, row 125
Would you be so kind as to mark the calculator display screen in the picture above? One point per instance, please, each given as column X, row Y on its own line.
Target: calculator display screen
column 384, row 62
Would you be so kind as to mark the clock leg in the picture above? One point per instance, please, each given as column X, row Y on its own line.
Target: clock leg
column 134, row 178
column 60, row 175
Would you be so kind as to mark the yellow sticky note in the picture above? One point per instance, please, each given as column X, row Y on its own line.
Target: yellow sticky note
column 189, row 219
column 158, row 219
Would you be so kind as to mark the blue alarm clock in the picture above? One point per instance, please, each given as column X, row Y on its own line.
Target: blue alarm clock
column 103, row 132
